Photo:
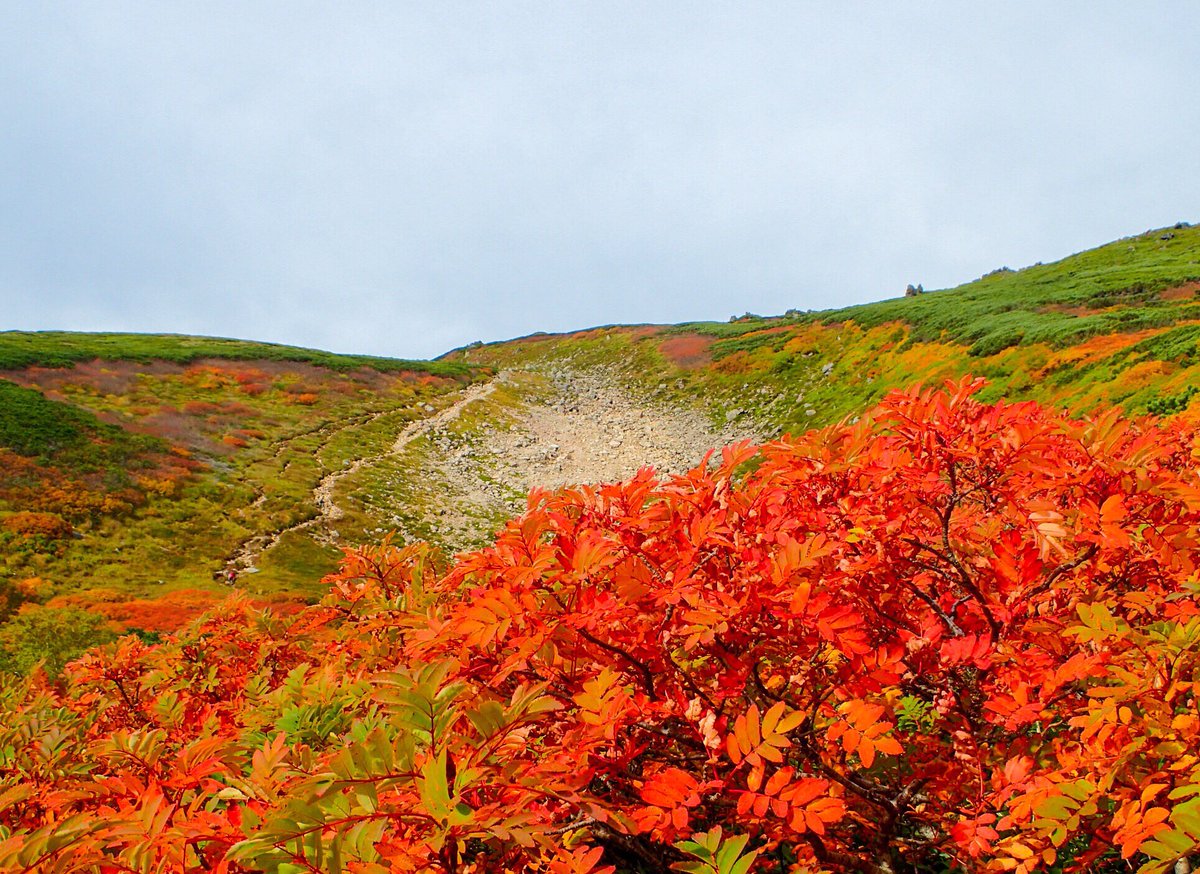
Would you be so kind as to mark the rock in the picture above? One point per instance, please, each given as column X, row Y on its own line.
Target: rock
column 810, row 412
column 428, row 408
column 914, row 290
column 1167, row 236
column 733, row 414
column 827, row 368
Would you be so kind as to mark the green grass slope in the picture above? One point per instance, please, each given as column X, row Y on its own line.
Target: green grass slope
column 20, row 349
column 1118, row 324
column 133, row 467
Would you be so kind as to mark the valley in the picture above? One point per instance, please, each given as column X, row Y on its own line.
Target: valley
column 453, row 478
column 138, row 470
column 971, row 606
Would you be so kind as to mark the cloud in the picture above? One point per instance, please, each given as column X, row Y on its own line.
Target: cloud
column 400, row 180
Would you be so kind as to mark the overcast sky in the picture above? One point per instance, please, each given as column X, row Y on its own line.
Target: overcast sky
column 400, row 179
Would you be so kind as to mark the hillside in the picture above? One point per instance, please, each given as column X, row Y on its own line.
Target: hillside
column 1116, row 325
column 952, row 638
column 134, row 466
column 945, row 636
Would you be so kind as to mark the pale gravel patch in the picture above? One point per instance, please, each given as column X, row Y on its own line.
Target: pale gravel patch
column 591, row 430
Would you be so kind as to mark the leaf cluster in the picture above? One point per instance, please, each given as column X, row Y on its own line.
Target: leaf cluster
column 953, row 635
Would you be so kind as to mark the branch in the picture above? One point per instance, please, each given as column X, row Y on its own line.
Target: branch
column 962, row 578
column 643, row 669
column 947, row 620
column 655, row 857
column 1065, row 568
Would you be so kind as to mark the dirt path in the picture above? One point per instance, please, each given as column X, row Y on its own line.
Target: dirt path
column 323, row 494
column 454, row 482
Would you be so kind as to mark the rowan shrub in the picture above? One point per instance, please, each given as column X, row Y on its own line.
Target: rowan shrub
column 951, row 637
column 49, row 526
column 49, row 638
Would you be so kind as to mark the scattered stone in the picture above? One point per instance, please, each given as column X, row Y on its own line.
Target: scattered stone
column 827, row 368
column 914, row 290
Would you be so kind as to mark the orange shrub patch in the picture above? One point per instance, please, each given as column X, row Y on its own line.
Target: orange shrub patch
column 687, row 351
column 1181, row 292
column 48, row 525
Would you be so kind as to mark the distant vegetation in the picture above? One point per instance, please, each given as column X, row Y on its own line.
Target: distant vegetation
column 19, row 349
column 1119, row 324
column 133, row 462
column 1112, row 289
column 32, row 425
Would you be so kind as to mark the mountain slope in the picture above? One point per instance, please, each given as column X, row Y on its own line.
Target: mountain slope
column 1114, row 325
column 134, row 466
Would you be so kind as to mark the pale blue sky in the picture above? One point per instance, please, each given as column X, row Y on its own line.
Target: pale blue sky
column 400, row 179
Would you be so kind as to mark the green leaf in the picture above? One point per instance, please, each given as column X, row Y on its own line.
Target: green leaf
column 730, row 851
column 488, row 718
column 1056, row 807
column 435, row 793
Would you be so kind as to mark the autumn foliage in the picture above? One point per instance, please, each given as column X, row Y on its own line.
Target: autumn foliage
column 951, row 636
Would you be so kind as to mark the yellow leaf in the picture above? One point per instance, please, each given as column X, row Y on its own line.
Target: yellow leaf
column 1020, row 851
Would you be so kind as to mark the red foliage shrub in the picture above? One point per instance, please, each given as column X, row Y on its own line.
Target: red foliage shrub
column 689, row 350
column 48, row 525
column 208, row 376
column 950, row 637
column 250, row 377
column 168, row 613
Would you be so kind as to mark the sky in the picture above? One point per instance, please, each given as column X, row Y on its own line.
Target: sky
column 404, row 178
